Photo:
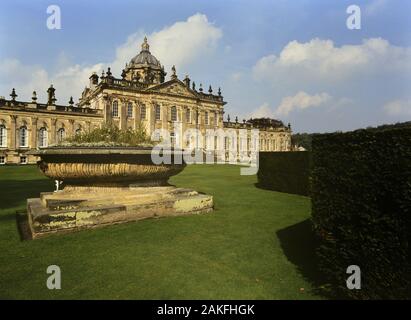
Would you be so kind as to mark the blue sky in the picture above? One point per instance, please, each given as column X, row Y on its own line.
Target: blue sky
column 293, row 60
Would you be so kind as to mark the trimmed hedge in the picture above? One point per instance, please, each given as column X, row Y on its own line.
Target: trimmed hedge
column 284, row 171
column 361, row 202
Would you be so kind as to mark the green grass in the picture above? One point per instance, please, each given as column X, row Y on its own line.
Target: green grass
column 253, row 246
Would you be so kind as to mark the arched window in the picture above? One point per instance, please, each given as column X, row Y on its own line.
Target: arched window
column 130, row 110
column 173, row 113
column 43, row 137
column 143, row 112
column 158, row 112
column 23, row 137
column 61, row 135
column 3, row 136
column 114, row 112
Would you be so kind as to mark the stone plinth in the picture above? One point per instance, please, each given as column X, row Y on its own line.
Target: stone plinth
column 103, row 187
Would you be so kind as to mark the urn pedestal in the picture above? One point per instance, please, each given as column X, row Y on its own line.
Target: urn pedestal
column 103, row 186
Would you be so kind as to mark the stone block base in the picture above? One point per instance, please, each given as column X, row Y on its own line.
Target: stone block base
column 76, row 208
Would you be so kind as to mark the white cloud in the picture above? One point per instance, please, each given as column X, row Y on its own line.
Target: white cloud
column 320, row 60
column 398, row 108
column 301, row 101
column 69, row 81
column 236, row 76
column 25, row 79
column 263, row 111
column 180, row 44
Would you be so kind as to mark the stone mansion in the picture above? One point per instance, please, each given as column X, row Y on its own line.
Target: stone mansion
column 141, row 96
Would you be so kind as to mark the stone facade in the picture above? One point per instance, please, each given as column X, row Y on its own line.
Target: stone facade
column 27, row 126
column 140, row 96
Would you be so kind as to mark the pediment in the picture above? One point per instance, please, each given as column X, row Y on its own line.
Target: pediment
column 175, row 87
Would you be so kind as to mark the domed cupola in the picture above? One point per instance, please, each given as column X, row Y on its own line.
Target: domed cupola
column 144, row 67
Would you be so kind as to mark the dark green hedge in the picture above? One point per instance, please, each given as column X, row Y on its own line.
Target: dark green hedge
column 284, row 171
column 361, row 202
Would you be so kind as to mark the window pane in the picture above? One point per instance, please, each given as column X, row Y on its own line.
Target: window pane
column 188, row 118
column 43, row 137
column 115, row 109
column 173, row 114
column 23, row 137
column 3, row 136
column 130, row 110
column 158, row 113
column 61, row 134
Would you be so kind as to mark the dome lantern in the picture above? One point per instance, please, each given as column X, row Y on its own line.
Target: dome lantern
column 146, row 66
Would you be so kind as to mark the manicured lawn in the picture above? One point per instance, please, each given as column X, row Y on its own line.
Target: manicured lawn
column 253, row 246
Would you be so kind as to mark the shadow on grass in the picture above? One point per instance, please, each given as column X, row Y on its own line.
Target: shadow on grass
column 15, row 193
column 284, row 189
column 299, row 245
column 7, row 217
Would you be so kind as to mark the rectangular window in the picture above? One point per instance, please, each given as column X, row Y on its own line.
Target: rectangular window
column 130, row 110
column 188, row 115
column 158, row 112
column 114, row 111
column 23, row 160
column 206, row 118
column 43, row 137
column 24, row 137
column 61, row 134
column 143, row 112
column 2, row 159
column 172, row 139
column 3, row 136
column 173, row 113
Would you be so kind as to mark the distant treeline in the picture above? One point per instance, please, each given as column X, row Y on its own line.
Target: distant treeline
column 302, row 140
column 305, row 139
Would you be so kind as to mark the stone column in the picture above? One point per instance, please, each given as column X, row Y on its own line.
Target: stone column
column 53, row 132
column 107, row 109
column 183, row 127
column 150, row 115
column 182, row 121
column 71, row 131
column 136, row 113
column 123, row 114
column 164, row 116
column 13, row 131
column 34, row 133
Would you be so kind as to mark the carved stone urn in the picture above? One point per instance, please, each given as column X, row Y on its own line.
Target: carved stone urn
column 97, row 186
column 115, row 167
